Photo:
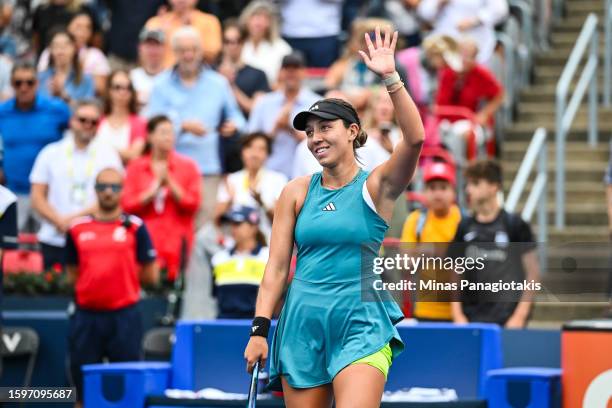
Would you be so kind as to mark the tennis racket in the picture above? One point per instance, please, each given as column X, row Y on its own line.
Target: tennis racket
column 253, row 388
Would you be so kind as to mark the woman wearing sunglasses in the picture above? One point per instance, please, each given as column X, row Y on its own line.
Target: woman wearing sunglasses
column 121, row 127
column 160, row 189
column 329, row 343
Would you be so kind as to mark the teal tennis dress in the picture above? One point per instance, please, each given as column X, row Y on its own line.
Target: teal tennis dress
column 332, row 315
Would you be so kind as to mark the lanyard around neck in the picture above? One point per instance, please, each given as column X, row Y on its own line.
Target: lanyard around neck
column 245, row 181
column 89, row 165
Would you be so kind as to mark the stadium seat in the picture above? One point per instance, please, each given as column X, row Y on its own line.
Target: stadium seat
column 20, row 343
column 524, row 387
column 27, row 258
column 157, row 344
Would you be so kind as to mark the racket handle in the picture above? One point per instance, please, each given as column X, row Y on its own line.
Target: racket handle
column 253, row 388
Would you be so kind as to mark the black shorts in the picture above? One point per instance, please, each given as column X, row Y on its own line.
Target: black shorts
column 52, row 255
column 94, row 335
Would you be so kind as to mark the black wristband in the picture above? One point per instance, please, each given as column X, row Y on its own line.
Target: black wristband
column 260, row 327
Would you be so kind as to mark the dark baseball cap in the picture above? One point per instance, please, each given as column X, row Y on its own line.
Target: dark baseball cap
column 152, row 35
column 325, row 109
column 295, row 59
column 242, row 214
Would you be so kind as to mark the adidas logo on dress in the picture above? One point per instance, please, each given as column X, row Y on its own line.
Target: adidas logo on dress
column 329, row 207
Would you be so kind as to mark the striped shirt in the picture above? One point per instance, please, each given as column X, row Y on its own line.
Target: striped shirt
column 237, row 278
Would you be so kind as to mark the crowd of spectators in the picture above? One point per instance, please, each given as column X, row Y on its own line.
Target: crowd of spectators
column 193, row 101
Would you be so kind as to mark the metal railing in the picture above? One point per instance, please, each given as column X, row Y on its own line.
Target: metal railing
column 518, row 57
column 506, row 114
column 607, row 94
column 543, row 10
column 537, row 152
column 565, row 112
column 525, row 48
column 558, row 8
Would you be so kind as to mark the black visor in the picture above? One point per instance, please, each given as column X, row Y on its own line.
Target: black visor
column 325, row 109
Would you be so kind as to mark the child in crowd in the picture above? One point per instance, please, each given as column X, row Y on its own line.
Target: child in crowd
column 437, row 222
column 506, row 242
column 238, row 271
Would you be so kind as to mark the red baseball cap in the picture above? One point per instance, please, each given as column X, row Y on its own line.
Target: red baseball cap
column 439, row 171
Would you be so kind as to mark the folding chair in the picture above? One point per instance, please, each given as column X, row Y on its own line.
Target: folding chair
column 20, row 342
column 157, row 343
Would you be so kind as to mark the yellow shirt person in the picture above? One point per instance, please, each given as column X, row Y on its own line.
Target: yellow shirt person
column 437, row 224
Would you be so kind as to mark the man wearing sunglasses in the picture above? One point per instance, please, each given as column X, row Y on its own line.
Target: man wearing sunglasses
column 28, row 122
column 108, row 255
column 63, row 179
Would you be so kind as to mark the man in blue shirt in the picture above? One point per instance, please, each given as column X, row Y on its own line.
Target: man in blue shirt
column 273, row 113
column 28, row 122
column 200, row 103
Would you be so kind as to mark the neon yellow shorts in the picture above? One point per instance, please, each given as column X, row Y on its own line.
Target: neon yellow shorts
column 381, row 360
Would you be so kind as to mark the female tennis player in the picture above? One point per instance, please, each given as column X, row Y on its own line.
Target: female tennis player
column 329, row 343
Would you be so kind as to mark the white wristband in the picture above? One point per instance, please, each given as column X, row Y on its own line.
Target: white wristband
column 393, row 79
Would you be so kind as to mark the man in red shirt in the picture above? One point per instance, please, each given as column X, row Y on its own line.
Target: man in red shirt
column 474, row 88
column 108, row 254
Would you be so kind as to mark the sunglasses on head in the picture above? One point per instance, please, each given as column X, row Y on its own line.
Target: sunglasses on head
column 17, row 83
column 101, row 187
column 88, row 121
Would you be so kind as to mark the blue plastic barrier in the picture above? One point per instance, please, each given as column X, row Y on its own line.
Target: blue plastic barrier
column 446, row 355
column 531, row 348
column 210, row 353
column 123, row 384
column 525, row 387
column 278, row 403
column 434, row 348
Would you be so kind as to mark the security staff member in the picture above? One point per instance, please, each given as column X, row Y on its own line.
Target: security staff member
column 108, row 254
column 238, row 271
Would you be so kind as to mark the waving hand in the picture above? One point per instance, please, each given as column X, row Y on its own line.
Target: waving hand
column 380, row 58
